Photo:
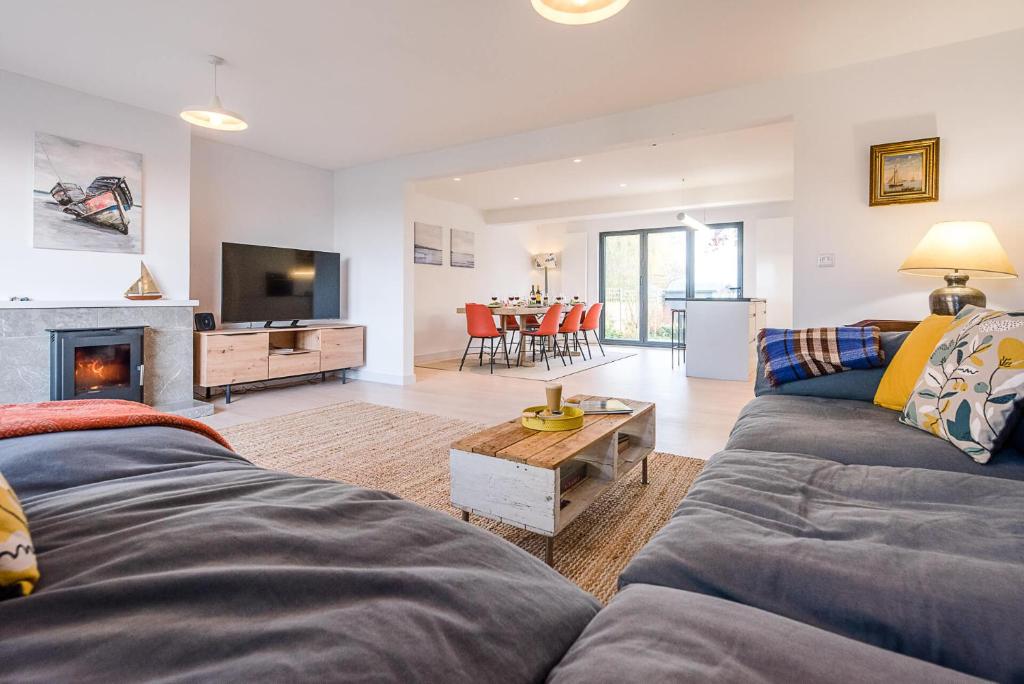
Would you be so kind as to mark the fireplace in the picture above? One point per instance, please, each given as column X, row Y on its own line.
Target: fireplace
column 96, row 363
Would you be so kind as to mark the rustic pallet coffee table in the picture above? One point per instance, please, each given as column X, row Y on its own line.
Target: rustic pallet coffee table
column 514, row 475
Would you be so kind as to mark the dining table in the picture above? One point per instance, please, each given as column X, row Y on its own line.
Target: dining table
column 521, row 312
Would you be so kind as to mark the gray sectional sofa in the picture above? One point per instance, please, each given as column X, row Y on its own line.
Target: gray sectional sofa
column 826, row 542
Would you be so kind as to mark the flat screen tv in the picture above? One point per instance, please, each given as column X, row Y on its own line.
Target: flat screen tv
column 276, row 284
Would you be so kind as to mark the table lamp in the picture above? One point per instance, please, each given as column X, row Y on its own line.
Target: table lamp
column 957, row 250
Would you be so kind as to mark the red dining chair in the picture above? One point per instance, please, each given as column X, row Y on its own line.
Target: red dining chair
column 590, row 323
column 512, row 325
column 571, row 326
column 548, row 328
column 480, row 326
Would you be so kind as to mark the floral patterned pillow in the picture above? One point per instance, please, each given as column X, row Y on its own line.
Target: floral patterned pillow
column 970, row 388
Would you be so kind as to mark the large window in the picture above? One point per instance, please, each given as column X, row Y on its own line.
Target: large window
column 647, row 273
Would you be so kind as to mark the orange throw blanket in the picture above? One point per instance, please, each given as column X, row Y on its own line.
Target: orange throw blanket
column 18, row 420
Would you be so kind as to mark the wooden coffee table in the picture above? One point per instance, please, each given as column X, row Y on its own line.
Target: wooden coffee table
column 514, row 475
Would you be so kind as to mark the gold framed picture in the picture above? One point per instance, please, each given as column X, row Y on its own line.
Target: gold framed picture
column 905, row 172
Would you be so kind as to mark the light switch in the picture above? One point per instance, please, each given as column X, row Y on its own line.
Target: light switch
column 826, row 260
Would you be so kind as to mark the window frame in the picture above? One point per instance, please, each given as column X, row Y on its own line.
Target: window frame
column 690, row 274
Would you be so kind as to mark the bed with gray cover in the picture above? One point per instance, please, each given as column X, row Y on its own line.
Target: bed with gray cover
column 167, row 557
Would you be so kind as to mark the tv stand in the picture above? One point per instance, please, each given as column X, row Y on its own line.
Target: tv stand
column 241, row 355
column 293, row 324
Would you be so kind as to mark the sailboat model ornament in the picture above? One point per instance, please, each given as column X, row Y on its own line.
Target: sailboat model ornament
column 144, row 288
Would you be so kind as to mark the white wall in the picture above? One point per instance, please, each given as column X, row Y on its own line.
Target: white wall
column 439, row 290
column 503, row 268
column 239, row 195
column 28, row 106
column 773, row 263
column 971, row 94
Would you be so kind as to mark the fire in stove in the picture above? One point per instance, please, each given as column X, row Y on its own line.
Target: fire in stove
column 102, row 367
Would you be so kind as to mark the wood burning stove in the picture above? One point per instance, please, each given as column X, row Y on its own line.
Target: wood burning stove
column 96, row 363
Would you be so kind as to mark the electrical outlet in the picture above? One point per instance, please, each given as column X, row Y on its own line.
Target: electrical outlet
column 826, row 260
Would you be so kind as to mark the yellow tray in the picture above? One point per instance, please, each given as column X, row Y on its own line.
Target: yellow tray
column 535, row 419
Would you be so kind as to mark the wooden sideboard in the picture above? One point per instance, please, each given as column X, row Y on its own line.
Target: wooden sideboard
column 230, row 357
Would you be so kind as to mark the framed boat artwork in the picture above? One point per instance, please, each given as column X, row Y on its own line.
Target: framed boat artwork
column 86, row 197
column 905, row 172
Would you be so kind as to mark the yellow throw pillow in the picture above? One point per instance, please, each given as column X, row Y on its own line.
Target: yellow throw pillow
column 903, row 371
column 18, row 570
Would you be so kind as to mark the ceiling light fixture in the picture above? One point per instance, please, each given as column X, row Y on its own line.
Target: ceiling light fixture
column 515, row 199
column 214, row 115
column 576, row 161
column 622, row 185
column 578, row 12
column 456, row 179
column 691, row 222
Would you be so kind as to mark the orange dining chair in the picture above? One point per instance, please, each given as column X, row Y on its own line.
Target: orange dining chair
column 571, row 326
column 511, row 327
column 480, row 326
column 590, row 323
column 548, row 328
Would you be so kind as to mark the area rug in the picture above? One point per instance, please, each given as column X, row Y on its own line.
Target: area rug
column 536, row 372
column 406, row 453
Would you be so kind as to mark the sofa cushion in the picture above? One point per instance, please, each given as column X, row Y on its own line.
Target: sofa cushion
column 166, row 557
column 925, row 563
column 655, row 634
column 969, row 391
column 906, row 364
column 855, row 432
column 852, row 384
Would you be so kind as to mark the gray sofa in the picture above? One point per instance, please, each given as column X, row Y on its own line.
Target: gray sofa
column 879, row 551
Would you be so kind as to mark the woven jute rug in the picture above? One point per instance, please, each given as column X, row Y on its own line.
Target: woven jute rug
column 406, row 453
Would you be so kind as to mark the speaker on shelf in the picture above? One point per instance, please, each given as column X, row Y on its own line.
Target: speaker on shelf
column 205, row 321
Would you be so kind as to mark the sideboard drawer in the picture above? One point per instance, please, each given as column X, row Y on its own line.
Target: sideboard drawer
column 283, row 365
column 230, row 359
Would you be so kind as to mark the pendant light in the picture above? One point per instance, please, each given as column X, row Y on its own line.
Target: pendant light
column 576, row 12
column 214, row 115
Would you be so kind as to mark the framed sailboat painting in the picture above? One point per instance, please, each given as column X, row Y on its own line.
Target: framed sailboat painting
column 905, row 172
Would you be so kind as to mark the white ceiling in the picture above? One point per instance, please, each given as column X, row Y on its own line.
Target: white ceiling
column 339, row 82
column 726, row 159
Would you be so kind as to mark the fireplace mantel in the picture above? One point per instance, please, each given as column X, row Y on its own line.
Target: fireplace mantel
column 25, row 346
column 97, row 304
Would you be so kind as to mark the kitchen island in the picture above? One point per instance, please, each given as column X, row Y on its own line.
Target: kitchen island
column 721, row 337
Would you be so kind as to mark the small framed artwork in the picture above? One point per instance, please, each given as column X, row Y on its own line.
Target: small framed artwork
column 463, row 253
column 428, row 243
column 905, row 172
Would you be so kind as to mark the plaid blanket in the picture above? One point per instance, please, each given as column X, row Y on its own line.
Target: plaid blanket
column 790, row 355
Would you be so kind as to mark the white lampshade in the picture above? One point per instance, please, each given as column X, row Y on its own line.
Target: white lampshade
column 548, row 260
column 967, row 247
column 576, row 12
column 214, row 115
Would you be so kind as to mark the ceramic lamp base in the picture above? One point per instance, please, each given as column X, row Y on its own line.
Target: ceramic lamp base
column 949, row 300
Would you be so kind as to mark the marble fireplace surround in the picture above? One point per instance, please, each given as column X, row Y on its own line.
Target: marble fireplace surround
column 25, row 347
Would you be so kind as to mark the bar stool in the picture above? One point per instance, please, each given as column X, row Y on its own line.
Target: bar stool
column 678, row 335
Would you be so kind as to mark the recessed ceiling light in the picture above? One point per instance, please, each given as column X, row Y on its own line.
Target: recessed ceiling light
column 622, row 185
column 576, row 12
column 456, row 179
column 576, row 161
column 516, row 199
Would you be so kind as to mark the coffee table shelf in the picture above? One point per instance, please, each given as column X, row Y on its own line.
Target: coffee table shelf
column 512, row 474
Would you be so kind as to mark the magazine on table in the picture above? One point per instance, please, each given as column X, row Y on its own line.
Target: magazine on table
column 594, row 406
